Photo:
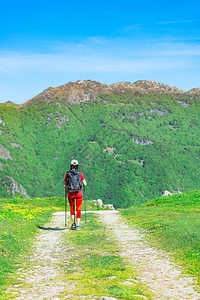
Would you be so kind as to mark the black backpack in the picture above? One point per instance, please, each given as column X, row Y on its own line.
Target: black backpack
column 74, row 183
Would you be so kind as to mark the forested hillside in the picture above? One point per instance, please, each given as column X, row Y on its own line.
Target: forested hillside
column 131, row 146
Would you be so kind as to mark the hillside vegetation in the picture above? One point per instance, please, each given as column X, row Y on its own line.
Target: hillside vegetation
column 172, row 223
column 131, row 146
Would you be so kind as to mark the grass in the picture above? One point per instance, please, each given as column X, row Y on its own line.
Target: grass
column 96, row 266
column 19, row 221
column 173, row 223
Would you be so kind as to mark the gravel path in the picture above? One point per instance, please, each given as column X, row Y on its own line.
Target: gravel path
column 42, row 277
column 155, row 268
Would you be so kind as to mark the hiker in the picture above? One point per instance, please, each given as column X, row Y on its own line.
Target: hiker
column 74, row 181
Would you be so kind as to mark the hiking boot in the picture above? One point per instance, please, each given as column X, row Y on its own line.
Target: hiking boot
column 78, row 227
column 73, row 226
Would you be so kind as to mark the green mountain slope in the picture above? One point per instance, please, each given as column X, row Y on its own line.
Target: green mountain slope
column 131, row 146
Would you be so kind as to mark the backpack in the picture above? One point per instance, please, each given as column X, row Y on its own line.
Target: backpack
column 74, row 183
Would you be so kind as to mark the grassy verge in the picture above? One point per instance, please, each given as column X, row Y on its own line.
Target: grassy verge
column 19, row 220
column 173, row 223
column 95, row 267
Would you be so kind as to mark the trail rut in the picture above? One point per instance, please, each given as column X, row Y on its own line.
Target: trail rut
column 164, row 277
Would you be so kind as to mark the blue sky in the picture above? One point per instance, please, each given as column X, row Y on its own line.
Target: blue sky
column 49, row 43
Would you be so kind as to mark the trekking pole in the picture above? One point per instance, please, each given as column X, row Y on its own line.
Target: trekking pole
column 65, row 207
column 85, row 204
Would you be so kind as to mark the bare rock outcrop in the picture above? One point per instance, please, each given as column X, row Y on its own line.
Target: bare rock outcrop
column 83, row 91
column 141, row 141
column 13, row 187
column 184, row 104
column 59, row 118
column 99, row 203
column 72, row 93
column 194, row 91
column 167, row 193
column 14, row 145
column 159, row 112
column 5, row 153
column 148, row 86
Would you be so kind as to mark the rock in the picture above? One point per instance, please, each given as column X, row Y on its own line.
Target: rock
column 5, row 153
column 177, row 192
column 83, row 91
column 141, row 141
column 109, row 206
column 149, row 86
column 184, row 104
column 194, row 91
column 60, row 119
column 13, row 187
column 100, row 203
column 159, row 112
column 14, row 145
column 167, row 193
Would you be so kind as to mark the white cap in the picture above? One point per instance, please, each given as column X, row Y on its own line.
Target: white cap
column 74, row 162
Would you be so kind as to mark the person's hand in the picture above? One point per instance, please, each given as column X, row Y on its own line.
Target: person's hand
column 64, row 186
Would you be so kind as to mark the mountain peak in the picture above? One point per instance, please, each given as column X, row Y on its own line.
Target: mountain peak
column 72, row 92
column 194, row 91
column 82, row 91
column 156, row 87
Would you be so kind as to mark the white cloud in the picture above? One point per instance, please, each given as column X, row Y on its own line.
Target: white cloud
column 61, row 62
column 177, row 22
column 181, row 49
column 102, row 55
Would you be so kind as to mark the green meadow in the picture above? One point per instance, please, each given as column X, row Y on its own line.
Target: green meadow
column 172, row 223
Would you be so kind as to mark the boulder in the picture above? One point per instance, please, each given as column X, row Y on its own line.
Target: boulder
column 109, row 206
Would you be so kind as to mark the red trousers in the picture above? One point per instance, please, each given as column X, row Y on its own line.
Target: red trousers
column 78, row 206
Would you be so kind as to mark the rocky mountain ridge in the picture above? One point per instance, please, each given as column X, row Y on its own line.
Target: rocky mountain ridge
column 82, row 91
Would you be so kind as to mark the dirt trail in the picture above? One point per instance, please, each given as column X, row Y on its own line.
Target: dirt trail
column 155, row 268
column 42, row 276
